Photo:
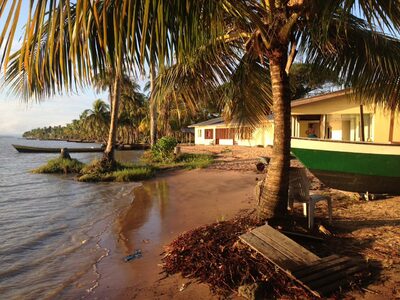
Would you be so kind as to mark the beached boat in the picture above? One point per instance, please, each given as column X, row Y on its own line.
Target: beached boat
column 351, row 166
column 31, row 149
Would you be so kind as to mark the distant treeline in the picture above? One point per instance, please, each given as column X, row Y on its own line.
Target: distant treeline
column 133, row 124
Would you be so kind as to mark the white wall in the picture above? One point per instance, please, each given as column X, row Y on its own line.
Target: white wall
column 199, row 136
column 226, row 142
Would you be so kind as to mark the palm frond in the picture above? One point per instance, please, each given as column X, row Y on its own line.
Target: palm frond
column 364, row 59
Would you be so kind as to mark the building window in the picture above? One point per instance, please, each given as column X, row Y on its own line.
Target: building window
column 225, row 133
column 209, row 134
column 199, row 132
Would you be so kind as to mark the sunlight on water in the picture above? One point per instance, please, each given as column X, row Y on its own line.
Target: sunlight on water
column 50, row 224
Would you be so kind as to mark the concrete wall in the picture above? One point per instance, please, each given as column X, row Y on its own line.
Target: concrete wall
column 382, row 126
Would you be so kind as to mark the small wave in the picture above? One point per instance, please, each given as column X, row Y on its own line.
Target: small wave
column 37, row 240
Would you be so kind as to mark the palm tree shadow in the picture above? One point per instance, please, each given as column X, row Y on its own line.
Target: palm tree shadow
column 346, row 226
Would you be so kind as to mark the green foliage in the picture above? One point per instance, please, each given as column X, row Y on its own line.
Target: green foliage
column 195, row 161
column 123, row 172
column 305, row 78
column 133, row 174
column 163, row 150
column 60, row 165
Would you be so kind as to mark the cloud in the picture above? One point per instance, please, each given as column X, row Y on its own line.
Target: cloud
column 17, row 117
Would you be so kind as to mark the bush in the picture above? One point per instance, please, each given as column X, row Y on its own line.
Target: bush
column 60, row 166
column 163, row 150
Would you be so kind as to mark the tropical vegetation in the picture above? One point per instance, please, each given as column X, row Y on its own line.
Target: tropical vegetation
column 241, row 50
column 60, row 166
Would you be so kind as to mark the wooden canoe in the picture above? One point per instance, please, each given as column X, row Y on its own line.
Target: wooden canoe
column 31, row 149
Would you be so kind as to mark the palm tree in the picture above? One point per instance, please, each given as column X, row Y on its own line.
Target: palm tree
column 272, row 33
column 153, row 108
column 96, row 120
column 124, row 34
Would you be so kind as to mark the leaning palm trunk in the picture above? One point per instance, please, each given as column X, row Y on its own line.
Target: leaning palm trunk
column 112, row 134
column 153, row 109
column 274, row 193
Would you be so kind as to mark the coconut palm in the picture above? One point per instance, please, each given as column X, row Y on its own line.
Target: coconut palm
column 123, row 34
column 326, row 34
column 97, row 119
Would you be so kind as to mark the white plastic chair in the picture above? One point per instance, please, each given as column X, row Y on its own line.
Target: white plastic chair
column 299, row 191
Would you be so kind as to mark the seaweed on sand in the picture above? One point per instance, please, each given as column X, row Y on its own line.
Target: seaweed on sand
column 212, row 254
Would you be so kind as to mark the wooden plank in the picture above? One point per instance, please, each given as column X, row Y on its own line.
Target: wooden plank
column 334, row 277
column 302, row 235
column 288, row 253
column 269, row 252
column 280, row 261
column 316, row 263
column 287, row 243
column 335, row 285
column 322, row 265
column 327, row 272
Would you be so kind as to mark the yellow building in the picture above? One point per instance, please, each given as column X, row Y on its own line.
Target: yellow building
column 337, row 116
column 334, row 116
column 217, row 132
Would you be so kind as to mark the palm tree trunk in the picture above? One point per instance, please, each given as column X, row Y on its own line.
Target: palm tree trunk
column 112, row 134
column 153, row 109
column 274, row 193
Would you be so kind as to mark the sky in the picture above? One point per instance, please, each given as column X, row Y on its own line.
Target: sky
column 16, row 116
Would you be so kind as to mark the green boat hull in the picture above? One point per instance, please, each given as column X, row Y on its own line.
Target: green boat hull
column 370, row 168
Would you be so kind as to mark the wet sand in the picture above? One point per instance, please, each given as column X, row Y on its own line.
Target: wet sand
column 162, row 209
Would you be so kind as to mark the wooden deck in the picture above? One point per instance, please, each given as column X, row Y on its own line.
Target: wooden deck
column 318, row 275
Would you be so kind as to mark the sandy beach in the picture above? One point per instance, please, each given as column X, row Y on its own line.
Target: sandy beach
column 162, row 209
column 177, row 201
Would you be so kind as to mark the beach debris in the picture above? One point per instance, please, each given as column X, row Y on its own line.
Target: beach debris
column 184, row 286
column 222, row 264
column 262, row 163
column 145, row 241
column 136, row 254
column 255, row 291
column 325, row 231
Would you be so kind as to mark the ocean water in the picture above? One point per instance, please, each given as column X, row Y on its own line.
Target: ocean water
column 51, row 225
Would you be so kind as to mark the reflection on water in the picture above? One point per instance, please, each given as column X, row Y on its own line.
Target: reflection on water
column 151, row 200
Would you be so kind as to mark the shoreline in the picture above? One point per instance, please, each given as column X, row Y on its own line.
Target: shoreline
column 160, row 212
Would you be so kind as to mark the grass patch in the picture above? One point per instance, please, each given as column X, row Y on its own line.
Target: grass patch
column 185, row 160
column 195, row 161
column 123, row 172
column 60, row 166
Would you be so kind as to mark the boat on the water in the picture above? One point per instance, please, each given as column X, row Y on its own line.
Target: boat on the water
column 31, row 149
column 351, row 166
